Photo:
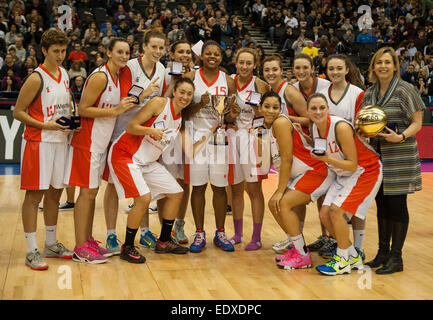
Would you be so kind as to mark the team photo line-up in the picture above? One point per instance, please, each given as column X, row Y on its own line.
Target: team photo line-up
column 156, row 133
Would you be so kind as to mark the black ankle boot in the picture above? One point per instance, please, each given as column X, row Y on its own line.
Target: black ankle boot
column 395, row 262
column 385, row 230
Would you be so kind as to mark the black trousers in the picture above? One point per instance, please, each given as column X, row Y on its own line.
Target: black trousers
column 392, row 207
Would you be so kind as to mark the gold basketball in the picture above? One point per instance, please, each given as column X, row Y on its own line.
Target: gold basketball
column 371, row 120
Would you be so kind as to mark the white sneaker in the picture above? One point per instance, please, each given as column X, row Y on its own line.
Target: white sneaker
column 282, row 246
column 153, row 208
column 129, row 207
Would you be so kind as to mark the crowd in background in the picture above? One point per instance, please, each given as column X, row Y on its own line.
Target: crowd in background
column 318, row 28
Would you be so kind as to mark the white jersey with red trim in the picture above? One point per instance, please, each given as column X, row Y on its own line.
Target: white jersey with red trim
column 348, row 105
column 302, row 160
column 245, row 118
column 319, row 85
column 206, row 118
column 133, row 74
column 366, row 154
column 51, row 102
column 96, row 132
column 145, row 149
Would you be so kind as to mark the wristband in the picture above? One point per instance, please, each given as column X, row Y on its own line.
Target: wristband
column 404, row 137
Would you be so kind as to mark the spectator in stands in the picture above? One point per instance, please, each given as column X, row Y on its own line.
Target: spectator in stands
column 256, row 13
column 310, row 49
column 299, row 43
column 92, row 39
column 10, row 84
column 121, row 14
column 77, row 70
column 32, row 52
column 193, row 11
column 347, row 25
column 166, row 19
column 288, row 39
column 364, row 36
column 422, row 86
column 213, row 30
column 77, row 54
column 226, row 29
column 29, row 63
column 239, row 31
column 411, row 75
column 290, row 20
column 411, row 49
column 404, row 61
column 175, row 34
column 11, row 74
column 12, row 34
column 247, row 40
column 20, row 50
column 35, row 17
column 123, row 29
column 135, row 50
column 33, row 35
column 348, row 37
column 77, row 84
column 275, row 25
column 418, row 61
column 105, row 27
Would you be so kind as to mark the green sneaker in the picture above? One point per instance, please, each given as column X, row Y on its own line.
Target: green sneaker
column 148, row 240
column 179, row 233
column 335, row 266
column 112, row 244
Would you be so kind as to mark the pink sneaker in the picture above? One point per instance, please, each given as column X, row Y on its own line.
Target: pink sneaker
column 87, row 253
column 296, row 261
column 102, row 251
column 290, row 251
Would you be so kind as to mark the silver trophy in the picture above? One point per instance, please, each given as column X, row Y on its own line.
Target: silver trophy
column 221, row 106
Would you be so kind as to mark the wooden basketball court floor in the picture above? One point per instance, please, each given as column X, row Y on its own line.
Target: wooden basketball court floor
column 212, row 274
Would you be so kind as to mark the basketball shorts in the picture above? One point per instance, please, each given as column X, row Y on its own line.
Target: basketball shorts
column 248, row 164
column 133, row 180
column 354, row 194
column 84, row 168
column 42, row 165
column 315, row 182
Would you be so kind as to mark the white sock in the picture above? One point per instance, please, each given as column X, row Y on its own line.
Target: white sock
column 299, row 243
column 352, row 251
column 50, row 235
column 111, row 231
column 31, row 241
column 358, row 238
column 144, row 230
column 343, row 253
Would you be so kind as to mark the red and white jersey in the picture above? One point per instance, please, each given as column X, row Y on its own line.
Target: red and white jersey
column 206, row 118
column 96, row 132
column 302, row 160
column 52, row 102
column 366, row 154
column 133, row 74
column 319, row 85
column 348, row 105
column 286, row 106
column 145, row 149
column 245, row 118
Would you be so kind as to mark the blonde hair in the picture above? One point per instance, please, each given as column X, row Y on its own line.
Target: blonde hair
column 371, row 75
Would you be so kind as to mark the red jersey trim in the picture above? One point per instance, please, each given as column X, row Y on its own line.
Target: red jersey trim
column 116, row 83
column 246, row 85
column 172, row 111
column 51, row 75
column 204, row 80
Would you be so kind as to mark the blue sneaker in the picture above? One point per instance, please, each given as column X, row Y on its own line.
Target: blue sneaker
column 220, row 240
column 148, row 240
column 329, row 250
column 112, row 244
column 199, row 242
column 335, row 266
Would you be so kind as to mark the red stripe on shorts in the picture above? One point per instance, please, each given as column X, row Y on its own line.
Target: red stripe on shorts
column 30, row 167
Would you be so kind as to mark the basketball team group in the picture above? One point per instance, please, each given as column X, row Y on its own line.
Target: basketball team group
column 155, row 133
